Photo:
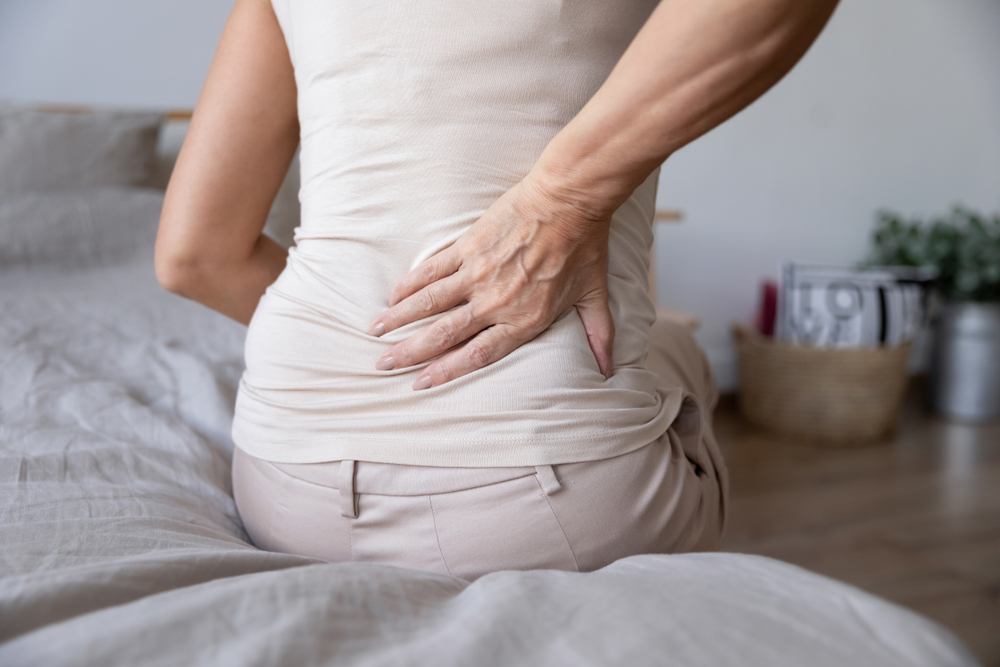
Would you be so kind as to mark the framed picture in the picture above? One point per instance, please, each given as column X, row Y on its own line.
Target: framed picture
column 841, row 307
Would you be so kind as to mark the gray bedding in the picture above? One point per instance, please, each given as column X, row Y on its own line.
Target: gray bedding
column 120, row 543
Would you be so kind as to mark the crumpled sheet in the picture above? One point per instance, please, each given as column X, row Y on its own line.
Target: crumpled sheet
column 120, row 543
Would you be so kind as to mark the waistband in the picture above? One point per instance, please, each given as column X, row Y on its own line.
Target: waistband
column 353, row 478
column 391, row 479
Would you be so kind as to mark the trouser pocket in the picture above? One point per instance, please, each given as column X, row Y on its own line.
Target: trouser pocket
column 509, row 525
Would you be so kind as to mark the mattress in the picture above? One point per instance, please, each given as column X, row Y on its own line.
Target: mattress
column 120, row 543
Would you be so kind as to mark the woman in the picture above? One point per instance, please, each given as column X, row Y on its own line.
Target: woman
column 453, row 368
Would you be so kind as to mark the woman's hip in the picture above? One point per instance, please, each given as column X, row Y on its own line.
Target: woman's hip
column 467, row 522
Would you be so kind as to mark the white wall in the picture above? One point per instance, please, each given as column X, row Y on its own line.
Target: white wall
column 897, row 105
column 142, row 53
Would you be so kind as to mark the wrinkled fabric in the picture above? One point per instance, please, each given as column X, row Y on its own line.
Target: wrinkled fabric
column 416, row 116
column 120, row 543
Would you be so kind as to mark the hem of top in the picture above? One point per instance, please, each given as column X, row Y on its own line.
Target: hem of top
column 480, row 453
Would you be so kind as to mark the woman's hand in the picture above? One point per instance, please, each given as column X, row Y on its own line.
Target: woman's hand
column 543, row 246
column 531, row 256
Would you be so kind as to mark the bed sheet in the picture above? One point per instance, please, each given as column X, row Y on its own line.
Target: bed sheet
column 120, row 542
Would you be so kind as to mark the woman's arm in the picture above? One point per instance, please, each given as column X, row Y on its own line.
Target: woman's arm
column 542, row 247
column 242, row 138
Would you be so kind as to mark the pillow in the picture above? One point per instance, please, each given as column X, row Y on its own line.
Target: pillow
column 45, row 151
column 78, row 228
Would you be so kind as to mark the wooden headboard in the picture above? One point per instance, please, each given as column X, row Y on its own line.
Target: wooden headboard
column 172, row 114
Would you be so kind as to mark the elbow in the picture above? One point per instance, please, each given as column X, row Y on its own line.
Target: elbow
column 179, row 269
column 181, row 260
column 175, row 273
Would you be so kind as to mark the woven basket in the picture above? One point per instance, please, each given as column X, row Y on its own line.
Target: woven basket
column 841, row 397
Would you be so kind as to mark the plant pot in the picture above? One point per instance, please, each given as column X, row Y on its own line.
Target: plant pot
column 965, row 367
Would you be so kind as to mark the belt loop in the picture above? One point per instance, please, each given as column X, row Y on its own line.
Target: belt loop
column 548, row 480
column 348, row 506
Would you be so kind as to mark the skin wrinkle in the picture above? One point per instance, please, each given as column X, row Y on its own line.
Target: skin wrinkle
column 509, row 264
column 532, row 265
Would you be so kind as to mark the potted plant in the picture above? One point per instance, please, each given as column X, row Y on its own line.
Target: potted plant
column 964, row 249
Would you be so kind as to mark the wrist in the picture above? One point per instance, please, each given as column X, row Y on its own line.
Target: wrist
column 566, row 209
column 590, row 167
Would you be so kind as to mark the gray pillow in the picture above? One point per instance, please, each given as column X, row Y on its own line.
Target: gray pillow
column 78, row 228
column 47, row 151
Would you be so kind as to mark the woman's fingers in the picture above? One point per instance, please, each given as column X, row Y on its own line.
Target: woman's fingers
column 433, row 340
column 488, row 347
column 435, row 298
column 525, row 261
column 432, row 269
column 600, row 327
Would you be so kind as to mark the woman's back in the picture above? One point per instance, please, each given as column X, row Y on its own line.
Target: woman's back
column 415, row 117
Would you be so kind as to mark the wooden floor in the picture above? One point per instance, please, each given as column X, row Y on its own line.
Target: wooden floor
column 915, row 520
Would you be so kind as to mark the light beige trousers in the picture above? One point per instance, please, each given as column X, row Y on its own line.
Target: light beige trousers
column 666, row 497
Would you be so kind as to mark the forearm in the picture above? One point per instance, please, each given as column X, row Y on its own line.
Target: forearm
column 693, row 65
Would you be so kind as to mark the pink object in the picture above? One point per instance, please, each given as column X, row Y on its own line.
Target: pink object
column 767, row 312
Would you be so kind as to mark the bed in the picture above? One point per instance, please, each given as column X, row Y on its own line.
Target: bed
column 120, row 543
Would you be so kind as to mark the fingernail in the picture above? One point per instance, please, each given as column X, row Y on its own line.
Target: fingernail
column 377, row 330
column 385, row 364
column 423, row 382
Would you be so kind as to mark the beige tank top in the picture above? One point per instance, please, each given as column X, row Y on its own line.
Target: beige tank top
column 416, row 115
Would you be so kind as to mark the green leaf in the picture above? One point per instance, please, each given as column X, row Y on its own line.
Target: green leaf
column 963, row 246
